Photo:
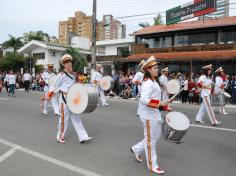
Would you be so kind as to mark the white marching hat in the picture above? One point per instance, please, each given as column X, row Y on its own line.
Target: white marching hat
column 99, row 65
column 209, row 67
column 64, row 58
column 149, row 63
column 219, row 70
column 141, row 63
column 165, row 69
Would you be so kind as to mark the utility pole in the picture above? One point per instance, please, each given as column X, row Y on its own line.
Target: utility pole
column 93, row 63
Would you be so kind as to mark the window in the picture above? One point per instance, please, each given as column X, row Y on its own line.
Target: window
column 123, row 51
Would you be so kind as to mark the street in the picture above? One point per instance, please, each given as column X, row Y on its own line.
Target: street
column 28, row 145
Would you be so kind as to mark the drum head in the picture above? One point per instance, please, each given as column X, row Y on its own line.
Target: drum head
column 227, row 94
column 78, row 97
column 173, row 86
column 177, row 121
column 105, row 83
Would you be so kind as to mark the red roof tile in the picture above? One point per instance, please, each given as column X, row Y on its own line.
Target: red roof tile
column 227, row 21
column 185, row 56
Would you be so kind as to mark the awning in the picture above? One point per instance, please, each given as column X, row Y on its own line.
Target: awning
column 186, row 56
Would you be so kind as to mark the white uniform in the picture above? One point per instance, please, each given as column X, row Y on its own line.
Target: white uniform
column 63, row 82
column 219, row 90
column 138, row 78
column 163, row 81
column 54, row 100
column 152, row 123
column 206, row 103
column 96, row 77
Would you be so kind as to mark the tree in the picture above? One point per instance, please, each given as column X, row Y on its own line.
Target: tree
column 158, row 20
column 12, row 61
column 79, row 62
column 13, row 42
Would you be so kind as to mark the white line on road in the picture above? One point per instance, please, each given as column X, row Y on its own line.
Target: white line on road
column 4, row 99
column 215, row 128
column 47, row 158
column 9, row 153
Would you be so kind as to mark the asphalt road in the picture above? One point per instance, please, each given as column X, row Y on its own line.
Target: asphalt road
column 28, row 144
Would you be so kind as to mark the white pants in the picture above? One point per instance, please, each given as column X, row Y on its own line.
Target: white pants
column 54, row 101
column 206, row 107
column 102, row 96
column 152, row 134
column 66, row 114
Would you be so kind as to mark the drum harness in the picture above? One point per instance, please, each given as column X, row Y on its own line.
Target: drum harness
column 62, row 93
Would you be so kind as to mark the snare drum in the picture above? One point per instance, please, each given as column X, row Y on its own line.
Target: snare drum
column 217, row 99
column 173, row 86
column 82, row 98
column 106, row 83
column 175, row 126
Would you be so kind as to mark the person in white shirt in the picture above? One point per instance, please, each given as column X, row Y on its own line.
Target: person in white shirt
column 163, row 81
column 137, row 80
column 63, row 82
column 26, row 81
column 95, row 79
column 150, row 117
column 46, row 77
column 219, row 88
column 205, row 83
column 12, row 83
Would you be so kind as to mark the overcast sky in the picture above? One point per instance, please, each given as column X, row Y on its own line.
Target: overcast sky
column 19, row 16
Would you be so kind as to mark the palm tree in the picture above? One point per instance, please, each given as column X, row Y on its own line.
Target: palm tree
column 158, row 20
column 79, row 62
column 13, row 42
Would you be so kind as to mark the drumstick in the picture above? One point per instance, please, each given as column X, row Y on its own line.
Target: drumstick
column 173, row 97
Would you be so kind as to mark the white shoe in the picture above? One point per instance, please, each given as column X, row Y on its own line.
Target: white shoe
column 225, row 113
column 105, row 104
column 45, row 112
column 217, row 123
column 86, row 140
column 137, row 157
column 199, row 121
column 159, row 171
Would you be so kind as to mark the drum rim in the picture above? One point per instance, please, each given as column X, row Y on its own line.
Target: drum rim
column 174, row 116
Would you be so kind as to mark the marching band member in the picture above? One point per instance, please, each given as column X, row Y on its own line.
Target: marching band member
column 64, row 80
column 219, row 88
column 150, row 116
column 95, row 79
column 163, row 81
column 138, row 79
column 205, row 84
column 45, row 77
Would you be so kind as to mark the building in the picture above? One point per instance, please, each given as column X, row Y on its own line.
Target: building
column 48, row 53
column 111, row 29
column 79, row 25
column 222, row 10
column 111, row 52
column 187, row 46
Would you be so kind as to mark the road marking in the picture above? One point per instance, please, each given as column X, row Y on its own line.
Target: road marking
column 9, row 153
column 4, row 99
column 47, row 105
column 215, row 128
column 46, row 158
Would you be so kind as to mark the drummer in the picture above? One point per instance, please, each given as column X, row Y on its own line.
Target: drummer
column 163, row 81
column 64, row 80
column 47, row 74
column 137, row 80
column 150, row 116
column 219, row 88
column 95, row 79
column 204, row 83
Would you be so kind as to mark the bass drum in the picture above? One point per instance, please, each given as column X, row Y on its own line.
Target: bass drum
column 175, row 126
column 106, row 83
column 82, row 98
